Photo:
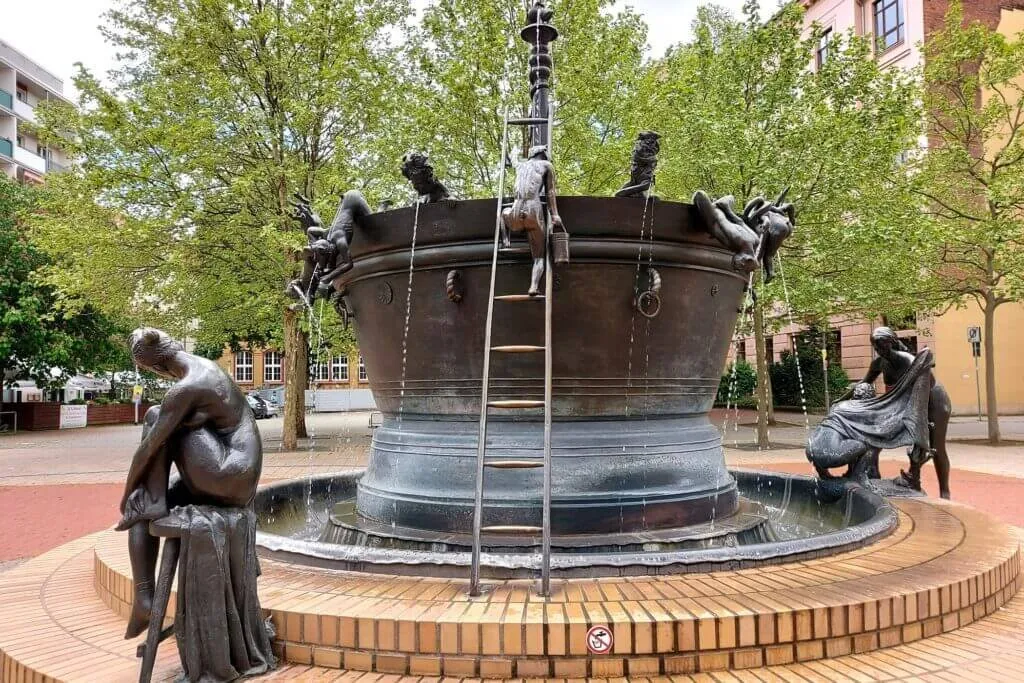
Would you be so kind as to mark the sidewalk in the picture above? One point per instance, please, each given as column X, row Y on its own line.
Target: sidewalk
column 56, row 486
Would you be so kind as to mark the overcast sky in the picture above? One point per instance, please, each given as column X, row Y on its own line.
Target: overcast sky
column 58, row 33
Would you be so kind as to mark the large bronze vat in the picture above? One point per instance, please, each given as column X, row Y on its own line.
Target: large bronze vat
column 633, row 448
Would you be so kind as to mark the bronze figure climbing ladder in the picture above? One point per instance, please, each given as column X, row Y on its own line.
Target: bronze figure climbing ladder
column 483, row 463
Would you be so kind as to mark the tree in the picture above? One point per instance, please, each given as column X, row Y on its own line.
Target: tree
column 971, row 181
column 42, row 331
column 470, row 64
column 220, row 109
column 742, row 112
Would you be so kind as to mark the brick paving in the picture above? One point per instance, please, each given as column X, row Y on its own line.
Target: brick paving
column 931, row 602
column 62, row 613
column 82, row 470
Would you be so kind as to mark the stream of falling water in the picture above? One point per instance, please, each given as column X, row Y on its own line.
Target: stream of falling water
column 792, row 326
column 318, row 318
column 799, row 376
column 636, row 287
column 647, row 338
column 408, row 314
column 738, row 337
column 744, row 314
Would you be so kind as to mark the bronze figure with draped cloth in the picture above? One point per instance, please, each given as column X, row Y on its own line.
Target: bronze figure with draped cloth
column 855, row 430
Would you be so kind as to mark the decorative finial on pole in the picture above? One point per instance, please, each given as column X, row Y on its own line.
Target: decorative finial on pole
column 539, row 34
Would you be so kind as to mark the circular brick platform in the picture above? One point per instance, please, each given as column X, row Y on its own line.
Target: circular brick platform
column 946, row 566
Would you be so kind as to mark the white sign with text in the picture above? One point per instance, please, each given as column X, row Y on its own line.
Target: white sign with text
column 72, row 417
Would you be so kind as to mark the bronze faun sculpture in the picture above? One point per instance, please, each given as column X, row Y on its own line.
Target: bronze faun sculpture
column 641, row 169
column 854, row 431
column 534, row 176
column 892, row 363
column 206, row 429
column 417, row 169
column 327, row 254
column 756, row 236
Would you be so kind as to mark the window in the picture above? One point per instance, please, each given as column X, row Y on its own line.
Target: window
column 243, row 366
column 889, row 27
column 741, row 351
column 362, row 369
column 339, row 368
column 42, row 151
column 769, row 349
column 824, row 44
column 272, row 366
column 22, row 94
column 321, row 372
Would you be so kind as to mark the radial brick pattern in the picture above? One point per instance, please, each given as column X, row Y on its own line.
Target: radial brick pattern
column 905, row 607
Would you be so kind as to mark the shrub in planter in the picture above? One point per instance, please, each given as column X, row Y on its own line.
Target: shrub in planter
column 786, row 380
column 743, row 385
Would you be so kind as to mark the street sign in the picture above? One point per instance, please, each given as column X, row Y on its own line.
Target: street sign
column 974, row 335
column 976, row 349
column 137, row 393
column 600, row 640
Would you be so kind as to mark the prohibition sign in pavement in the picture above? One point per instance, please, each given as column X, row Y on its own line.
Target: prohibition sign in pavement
column 600, row 640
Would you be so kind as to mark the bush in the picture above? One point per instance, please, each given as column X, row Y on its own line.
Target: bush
column 786, row 380
column 743, row 388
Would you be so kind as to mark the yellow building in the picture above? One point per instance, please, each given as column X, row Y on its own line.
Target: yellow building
column 254, row 369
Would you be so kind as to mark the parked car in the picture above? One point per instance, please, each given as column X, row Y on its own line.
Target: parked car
column 262, row 408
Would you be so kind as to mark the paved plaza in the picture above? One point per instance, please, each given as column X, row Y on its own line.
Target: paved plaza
column 933, row 601
column 57, row 486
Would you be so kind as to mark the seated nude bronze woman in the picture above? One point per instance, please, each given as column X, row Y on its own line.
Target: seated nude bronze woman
column 205, row 428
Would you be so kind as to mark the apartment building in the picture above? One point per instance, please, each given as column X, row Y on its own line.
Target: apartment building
column 23, row 85
column 898, row 28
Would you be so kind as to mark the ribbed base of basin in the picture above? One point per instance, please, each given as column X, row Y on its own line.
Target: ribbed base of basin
column 608, row 476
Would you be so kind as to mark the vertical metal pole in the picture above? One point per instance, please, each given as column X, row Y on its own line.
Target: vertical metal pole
column 977, row 378
column 824, row 364
column 481, row 446
column 549, row 278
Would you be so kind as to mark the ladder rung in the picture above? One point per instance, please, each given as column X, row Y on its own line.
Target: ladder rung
column 519, row 297
column 514, row 464
column 526, row 122
column 513, row 251
column 510, row 529
column 517, row 403
column 517, row 348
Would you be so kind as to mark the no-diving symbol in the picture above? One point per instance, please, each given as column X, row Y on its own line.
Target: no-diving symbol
column 599, row 640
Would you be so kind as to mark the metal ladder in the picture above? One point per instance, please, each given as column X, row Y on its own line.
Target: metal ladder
column 482, row 462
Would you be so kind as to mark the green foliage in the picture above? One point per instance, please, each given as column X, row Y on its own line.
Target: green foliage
column 40, row 329
column 971, row 182
column 786, row 380
column 742, row 385
column 742, row 113
column 470, row 63
column 221, row 109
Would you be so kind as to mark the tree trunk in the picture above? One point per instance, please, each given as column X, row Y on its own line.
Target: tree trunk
column 296, row 353
column 771, row 394
column 764, row 397
column 991, row 407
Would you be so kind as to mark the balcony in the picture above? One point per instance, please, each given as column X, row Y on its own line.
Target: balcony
column 53, row 167
column 30, row 160
column 6, row 148
column 24, row 110
column 6, row 100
